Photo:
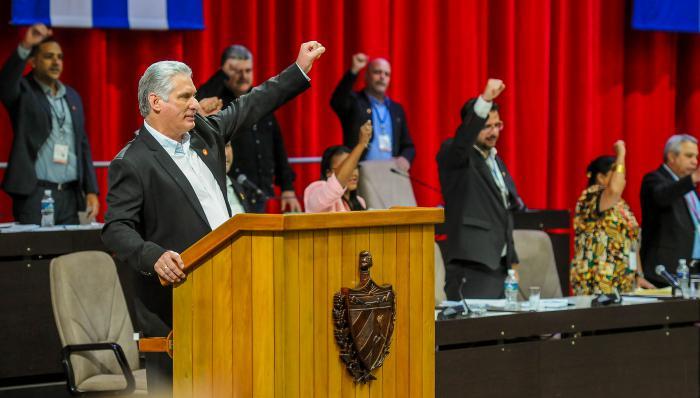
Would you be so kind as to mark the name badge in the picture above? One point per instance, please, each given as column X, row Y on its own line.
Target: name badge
column 60, row 154
column 384, row 143
column 632, row 263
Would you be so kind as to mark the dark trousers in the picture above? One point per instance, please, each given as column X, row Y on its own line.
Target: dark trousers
column 27, row 209
column 481, row 281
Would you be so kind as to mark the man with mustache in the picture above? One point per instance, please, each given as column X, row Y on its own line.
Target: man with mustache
column 671, row 209
column 167, row 187
column 391, row 139
column 480, row 196
column 50, row 150
column 260, row 151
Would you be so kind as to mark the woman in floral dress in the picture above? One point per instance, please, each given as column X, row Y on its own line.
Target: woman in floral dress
column 606, row 232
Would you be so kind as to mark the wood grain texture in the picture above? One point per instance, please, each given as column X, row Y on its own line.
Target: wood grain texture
column 428, row 313
column 202, row 354
column 291, row 312
column 222, row 323
column 263, row 324
column 415, row 319
column 242, row 337
column 182, row 340
column 321, row 309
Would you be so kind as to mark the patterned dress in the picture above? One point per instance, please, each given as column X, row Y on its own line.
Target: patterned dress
column 602, row 245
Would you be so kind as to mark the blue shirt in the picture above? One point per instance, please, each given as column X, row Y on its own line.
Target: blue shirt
column 381, row 126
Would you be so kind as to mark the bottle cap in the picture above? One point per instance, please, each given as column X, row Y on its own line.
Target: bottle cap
column 511, row 272
column 47, row 192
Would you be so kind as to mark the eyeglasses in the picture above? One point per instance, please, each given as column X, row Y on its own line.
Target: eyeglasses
column 497, row 126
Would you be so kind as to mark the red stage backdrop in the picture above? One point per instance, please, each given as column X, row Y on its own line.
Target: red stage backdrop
column 578, row 78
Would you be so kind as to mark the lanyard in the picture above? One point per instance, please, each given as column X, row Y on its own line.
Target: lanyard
column 62, row 117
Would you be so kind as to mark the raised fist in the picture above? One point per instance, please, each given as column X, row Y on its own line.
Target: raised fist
column 308, row 53
column 35, row 34
column 619, row 147
column 359, row 61
column 365, row 134
column 494, row 87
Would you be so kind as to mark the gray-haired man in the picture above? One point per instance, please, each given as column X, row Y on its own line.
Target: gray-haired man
column 167, row 187
column 671, row 209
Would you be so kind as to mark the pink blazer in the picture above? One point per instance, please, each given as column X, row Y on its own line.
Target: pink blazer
column 326, row 197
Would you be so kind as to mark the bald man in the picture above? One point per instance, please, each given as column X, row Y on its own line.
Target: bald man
column 391, row 139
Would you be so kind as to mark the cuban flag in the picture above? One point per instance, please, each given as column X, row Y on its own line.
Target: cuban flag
column 667, row 15
column 125, row 14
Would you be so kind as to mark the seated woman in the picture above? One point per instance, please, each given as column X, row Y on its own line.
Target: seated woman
column 606, row 232
column 337, row 189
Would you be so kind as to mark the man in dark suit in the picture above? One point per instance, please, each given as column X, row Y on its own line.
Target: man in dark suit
column 479, row 197
column 671, row 209
column 260, row 152
column 50, row 150
column 391, row 139
column 167, row 187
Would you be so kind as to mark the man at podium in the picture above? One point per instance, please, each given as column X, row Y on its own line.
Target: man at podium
column 167, row 187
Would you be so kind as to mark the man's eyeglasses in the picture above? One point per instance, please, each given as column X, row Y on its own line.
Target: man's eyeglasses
column 497, row 126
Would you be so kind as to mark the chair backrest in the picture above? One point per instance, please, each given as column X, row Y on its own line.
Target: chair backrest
column 381, row 188
column 89, row 307
column 440, row 295
column 537, row 263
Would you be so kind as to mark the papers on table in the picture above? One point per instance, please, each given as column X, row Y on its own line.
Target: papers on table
column 10, row 228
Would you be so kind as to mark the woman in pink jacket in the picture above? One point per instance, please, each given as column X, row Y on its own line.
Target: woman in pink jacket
column 337, row 189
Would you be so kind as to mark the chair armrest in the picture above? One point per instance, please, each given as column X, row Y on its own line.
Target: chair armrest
column 118, row 353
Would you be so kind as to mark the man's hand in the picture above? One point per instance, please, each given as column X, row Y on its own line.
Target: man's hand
column 290, row 202
column 93, row 206
column 402, row 163
column 365, row 134
column 643, row 283
column 169, row 267
column 308, row 53
column 494, row 88
column 34, row 35
column 359, row 61
column 619, row 148
column 210, row 106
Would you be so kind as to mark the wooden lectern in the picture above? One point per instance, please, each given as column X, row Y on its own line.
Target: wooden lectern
column 254, row 317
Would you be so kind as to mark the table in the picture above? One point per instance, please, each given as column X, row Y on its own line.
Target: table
column 640, row 350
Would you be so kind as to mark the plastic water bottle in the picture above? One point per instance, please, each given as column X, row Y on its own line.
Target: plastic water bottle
column 683, row 274
column 47, row 208
column 511, row 290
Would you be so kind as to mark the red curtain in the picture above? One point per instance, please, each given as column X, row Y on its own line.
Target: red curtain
column 578, row 78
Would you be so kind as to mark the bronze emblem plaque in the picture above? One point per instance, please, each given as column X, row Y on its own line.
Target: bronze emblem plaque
column 364, row 322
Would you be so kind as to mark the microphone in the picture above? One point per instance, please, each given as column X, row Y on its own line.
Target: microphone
column 417, row 181
column 466, row 308
column 243, row 180
column 661, row 271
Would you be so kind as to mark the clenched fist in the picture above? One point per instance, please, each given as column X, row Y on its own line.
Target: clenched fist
column 619, row 147
column 35, row 34
column 308, row 53
column 359, row 61
column 494, row 88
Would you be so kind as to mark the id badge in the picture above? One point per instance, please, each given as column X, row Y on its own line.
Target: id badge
column 60, row 154
column 384, row 143
column 632, row 263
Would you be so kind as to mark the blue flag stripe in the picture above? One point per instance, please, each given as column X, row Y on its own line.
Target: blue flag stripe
column 27, row 12
column 185, row 14
column 110, row 14
column 667, row 15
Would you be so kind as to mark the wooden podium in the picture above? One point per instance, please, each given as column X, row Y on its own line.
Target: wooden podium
column 254, row 317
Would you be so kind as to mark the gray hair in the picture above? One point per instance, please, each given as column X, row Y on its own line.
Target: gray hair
column 158, row 79
column 236, row 51
column 674, row 144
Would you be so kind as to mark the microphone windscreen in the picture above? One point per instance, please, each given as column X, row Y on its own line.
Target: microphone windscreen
column 241, row 178
column 659, row 269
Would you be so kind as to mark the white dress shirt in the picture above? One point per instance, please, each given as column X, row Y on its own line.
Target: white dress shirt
column 198, row 175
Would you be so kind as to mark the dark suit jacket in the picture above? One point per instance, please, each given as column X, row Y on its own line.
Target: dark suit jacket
column 153, row 208
column 354, row 109
column 667, row 228
column 30, row 114
column 478, row 224
column 258, row 152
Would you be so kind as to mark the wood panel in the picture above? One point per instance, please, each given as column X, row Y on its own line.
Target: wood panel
column 202, row 354
column 321, row 309
column 362, row 219
column 263, row 304
column 361, row 243
column 242, row 338
column 416, row 299
column 389, row 276
column 428, row 314
column 223, row 323
column 403, row 294
column 306, row 315
column 336, row 371
column 349, row 260
column 291, row 320
column 182, row 336
column 280, row 286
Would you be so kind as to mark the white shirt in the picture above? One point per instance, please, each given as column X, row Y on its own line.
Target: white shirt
column 233, row 201
column 198, row 175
